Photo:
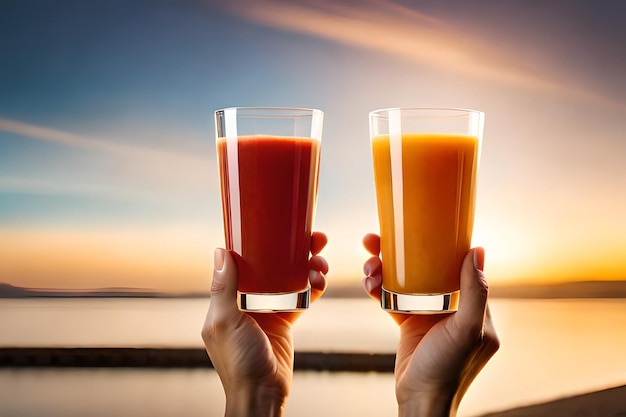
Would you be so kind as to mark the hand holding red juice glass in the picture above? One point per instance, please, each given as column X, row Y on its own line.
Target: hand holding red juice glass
column 269, row 165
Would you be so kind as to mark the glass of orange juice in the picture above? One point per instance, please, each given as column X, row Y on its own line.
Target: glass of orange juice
column 269, row 161
column 425, row 165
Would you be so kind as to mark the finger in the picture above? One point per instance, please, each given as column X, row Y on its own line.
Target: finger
column 318, row 242
column 373, row 278
column 318, row 263
column 371, row 242
column 372, row 266
column 318, row 268
column 318, row 283
column 470, row 316
column 372, row 286
column 373, row 281
column 223, row 287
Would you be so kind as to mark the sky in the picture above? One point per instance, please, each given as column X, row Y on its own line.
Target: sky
column 108, row 172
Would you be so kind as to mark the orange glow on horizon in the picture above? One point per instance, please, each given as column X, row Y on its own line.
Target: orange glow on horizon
column 180, row 260
column 166, row 259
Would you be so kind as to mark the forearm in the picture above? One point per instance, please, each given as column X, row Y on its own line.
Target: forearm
column 254, row 401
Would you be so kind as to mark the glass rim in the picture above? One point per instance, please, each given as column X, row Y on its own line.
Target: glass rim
column 424, row 111
column 270, row 111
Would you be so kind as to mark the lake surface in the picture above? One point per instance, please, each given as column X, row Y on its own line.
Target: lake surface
column 550, row 349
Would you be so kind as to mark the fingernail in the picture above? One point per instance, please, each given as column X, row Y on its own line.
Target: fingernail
column 218, row 259
column 313, row 275
column 479, row 259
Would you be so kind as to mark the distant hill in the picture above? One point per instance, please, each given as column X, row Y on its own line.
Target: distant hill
column 11, row 291
column 582, row 289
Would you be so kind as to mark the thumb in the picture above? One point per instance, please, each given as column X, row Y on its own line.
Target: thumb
column 474, row 289
column 224, row 285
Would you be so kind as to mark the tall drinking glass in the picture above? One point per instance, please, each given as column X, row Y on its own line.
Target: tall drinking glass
column 425, row 164
column 269, row 164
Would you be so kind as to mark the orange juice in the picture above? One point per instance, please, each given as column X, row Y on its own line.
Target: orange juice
column 425, row 207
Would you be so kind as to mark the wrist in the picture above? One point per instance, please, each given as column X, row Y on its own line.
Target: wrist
column 254, row 401
column 431, row 404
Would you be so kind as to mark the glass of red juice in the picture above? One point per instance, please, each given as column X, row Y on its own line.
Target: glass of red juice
column 268, row 161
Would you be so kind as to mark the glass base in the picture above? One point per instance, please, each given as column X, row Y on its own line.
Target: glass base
column 272, row 303
column 419, row 303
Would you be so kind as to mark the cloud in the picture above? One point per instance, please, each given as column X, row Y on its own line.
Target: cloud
column 40, row 186
column 387, row 27
column 109, row 146
column 135, row 170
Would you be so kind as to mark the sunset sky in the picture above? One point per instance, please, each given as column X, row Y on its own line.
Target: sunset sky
column 108, row 172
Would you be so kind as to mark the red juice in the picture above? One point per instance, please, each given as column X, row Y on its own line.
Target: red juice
column 269, row 189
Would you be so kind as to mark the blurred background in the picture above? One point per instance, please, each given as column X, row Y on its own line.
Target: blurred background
column 109, row 184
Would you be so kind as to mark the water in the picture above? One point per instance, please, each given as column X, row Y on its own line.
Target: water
column 176, row 393
column 338, row 325
column 550, row 349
